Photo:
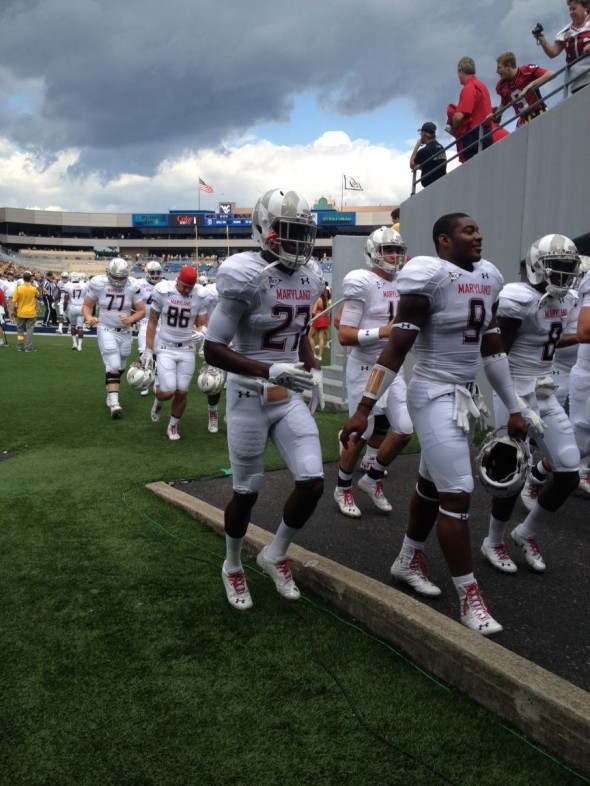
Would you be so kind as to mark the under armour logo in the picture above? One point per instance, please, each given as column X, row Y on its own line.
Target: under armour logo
column 245, row 393
column 364, row 368
column 485, row 275
column 404, row 325
column 304, row 280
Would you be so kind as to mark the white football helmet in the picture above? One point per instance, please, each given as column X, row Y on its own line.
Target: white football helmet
column 203, row 280
column 82, row 277
column 502, row 464
column 75, row 278
column 283, row 224
column 583, row 269
column 385, row 242
column 210, row 380
column 117, row 272
column 153, row 272
column 554, row 259
column 65, row 276
column 140, row 378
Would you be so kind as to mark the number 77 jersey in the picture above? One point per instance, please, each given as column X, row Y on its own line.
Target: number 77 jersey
column 448, row 346
column 178, row 313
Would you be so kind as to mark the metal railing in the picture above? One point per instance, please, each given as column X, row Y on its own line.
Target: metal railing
column 483, row 128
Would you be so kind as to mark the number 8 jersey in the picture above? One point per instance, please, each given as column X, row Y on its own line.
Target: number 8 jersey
column 461, row 302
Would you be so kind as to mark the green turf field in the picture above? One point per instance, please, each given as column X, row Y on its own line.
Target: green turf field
column 122, row 663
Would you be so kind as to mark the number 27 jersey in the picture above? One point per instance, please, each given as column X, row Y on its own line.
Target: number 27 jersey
column 447, row 348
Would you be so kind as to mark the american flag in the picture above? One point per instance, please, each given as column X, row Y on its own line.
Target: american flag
column 204, row 187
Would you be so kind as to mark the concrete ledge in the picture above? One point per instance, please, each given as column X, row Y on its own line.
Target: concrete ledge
column 544, row 707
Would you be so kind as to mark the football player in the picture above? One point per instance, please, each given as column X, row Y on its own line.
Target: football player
column 370, row 304
column 265, row 301
column 74, row 293
column 446, row 316
column 177, row 309
column 532, row 316
column 580, row 382
column 63, row 280
column 153, row 274
column 119, row 303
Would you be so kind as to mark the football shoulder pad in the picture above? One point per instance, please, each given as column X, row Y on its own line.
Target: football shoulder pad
column 355, row 284
column 517, row 300
column 421, row 276
column 238, row 277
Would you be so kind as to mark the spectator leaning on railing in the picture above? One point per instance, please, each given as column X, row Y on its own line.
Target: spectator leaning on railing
column 575, row 39
column 522, row 83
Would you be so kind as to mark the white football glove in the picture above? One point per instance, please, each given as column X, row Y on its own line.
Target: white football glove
column 317, row 391
column 291, row 375
column 464, row 407
column 480, row 403
column 535, row 421
column 198, row 336
column 545, row 387
column 147, row 359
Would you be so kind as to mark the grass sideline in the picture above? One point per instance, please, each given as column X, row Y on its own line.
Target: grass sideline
column 122, row 662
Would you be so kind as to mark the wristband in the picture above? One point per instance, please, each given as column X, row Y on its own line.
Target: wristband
column 379, row 380
column 368, row 337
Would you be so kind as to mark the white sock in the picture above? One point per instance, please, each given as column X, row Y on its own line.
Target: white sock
column 530, row 526
column 113, row 398
column 173, row 421
column 233, row 551
column 415, row 544
column 463, row 581
column 277, row 550
column 495, row 533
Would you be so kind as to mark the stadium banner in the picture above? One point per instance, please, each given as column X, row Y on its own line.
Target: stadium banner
column 336, row 219
column 150, row 219
column 186, row 219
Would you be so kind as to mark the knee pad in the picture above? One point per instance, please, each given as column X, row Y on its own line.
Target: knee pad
column 381, row 426
column 112, row 378
column 568, row 481
column 314, row 486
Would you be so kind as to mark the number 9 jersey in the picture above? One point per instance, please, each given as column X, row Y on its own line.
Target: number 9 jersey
column 447, row 348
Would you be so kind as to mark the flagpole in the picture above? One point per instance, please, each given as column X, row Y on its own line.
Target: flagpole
column 196, row 246
column 227, row 236
column 342, row 193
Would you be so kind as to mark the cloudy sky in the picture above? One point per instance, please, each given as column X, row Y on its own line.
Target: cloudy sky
column 121, row 105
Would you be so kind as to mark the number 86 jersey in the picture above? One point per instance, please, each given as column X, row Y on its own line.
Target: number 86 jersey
column 447, row 348
column 178, row 313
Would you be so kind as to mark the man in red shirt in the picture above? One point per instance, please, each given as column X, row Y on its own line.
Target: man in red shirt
column 473, row 109
column 520, row 83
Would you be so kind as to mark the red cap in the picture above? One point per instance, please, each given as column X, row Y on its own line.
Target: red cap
column 188, row 276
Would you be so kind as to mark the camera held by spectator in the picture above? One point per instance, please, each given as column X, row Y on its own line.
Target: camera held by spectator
column 537, row 31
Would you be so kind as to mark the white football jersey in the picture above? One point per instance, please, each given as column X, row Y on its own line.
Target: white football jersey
column 75, row 292
column 543, row 319
column 278, row 306
column 178, row 313
column 447, row 348
column 584, row 302
column 212, row 297
column 379, row 299
column 565, row 357
column 147, row 295
column 113, row 302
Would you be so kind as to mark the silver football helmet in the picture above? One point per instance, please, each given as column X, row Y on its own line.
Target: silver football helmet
column 153, row 272
column 382, row 243
column 75, row 278
column 283, row 224
column 554, row 259
column 65, row 276
column 203, row 280
column 210, row 380
column 140, row 378
column 502, row 464
column 117, row 272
